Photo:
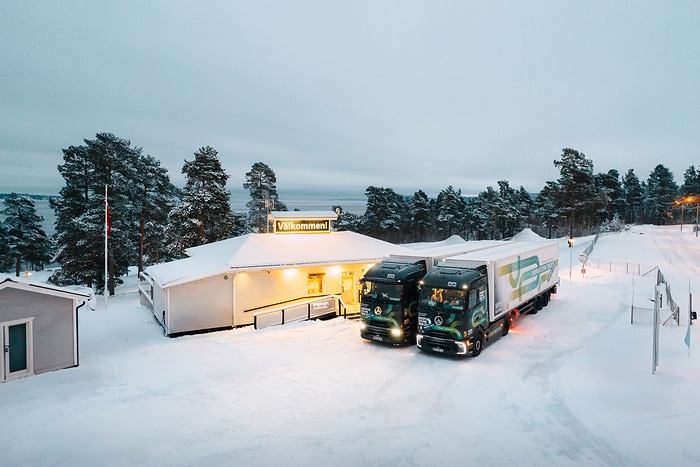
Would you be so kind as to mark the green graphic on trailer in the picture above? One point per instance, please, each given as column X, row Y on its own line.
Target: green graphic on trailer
column 527, row 274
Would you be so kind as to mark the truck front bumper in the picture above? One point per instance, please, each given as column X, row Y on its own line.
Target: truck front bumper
column 443, row 346
column 393, row 335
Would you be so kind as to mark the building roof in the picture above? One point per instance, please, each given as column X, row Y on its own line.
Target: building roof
column 303, row 215
column 268, row 251
column 73, row 293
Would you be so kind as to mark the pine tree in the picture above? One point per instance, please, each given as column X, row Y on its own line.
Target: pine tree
column 633, row 194
column 611, row 193
column 451, row 212
column 6, row 259
column 26, row 240
column 346, row 220
column 261, row 184
column 382, row 218
column 577, row 190
column 691, row 182
column 546, row 207
column 661, row 192
column 158, row 197
column 204, row 215
column 106, row 161
column 420, row 216
column 485, row 211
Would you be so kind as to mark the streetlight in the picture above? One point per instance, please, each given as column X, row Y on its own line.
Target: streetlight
column 689, row 199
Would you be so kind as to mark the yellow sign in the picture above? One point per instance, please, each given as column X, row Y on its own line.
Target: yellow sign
column 285, row 226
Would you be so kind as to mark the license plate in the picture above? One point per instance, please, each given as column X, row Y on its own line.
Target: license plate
column 438, row 349
column 377, row 338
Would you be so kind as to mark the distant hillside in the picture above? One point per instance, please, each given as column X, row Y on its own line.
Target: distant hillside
column 27, row 195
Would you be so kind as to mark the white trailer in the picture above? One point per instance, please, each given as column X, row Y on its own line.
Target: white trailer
column 469, row 298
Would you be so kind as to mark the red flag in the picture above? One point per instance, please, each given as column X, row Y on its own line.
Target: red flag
column 109, row 221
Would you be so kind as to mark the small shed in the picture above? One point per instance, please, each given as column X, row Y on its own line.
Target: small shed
column 38, row 327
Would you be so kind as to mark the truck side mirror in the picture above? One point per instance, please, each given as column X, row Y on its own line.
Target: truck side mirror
column 693, row 315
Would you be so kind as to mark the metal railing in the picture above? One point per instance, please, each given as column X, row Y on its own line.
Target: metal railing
column 312, row 308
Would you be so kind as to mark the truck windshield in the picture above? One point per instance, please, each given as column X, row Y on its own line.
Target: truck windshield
column 450, row 299
column 375, row 290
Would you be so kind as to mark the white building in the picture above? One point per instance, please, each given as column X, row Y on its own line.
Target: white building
column 301, row 270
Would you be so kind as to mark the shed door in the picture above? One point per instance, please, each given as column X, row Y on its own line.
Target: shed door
column 17, row 350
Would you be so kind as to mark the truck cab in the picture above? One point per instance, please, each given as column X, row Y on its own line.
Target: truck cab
column 453, row 311
column 389, row 300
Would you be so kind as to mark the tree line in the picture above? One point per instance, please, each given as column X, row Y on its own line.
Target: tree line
column 152, row 221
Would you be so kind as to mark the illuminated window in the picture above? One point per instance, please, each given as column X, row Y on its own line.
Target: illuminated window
column 314, row 284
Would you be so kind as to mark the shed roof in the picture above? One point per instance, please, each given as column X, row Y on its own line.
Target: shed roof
column 81, row 293
column 269, row 251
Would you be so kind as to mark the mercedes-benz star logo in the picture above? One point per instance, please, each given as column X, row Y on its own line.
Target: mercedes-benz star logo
column 438, row 320
column 378, row 310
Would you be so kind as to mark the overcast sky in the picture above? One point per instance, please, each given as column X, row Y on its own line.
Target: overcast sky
column 337, row 96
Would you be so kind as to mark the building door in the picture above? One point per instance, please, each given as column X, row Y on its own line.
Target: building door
column 347, row 287
column 16, row 350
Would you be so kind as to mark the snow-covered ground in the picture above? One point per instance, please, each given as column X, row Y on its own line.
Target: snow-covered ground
column 571, row 385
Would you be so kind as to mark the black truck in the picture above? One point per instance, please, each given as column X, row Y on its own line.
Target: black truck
column 389, row 300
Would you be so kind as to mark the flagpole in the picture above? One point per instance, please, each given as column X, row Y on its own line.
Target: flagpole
column 106, row 240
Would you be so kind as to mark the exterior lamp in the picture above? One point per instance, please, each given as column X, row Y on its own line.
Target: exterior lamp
column 689, row 200
column 571, row 253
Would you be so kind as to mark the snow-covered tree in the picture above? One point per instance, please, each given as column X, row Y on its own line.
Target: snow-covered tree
column 383, row 215
column 484, row 211
column 346, row 220
column 661, row 192
column 420, row 217
column 204, row 214
column 260, row 182
column 6, row 259
column 158, row 197
column 24, row 236
column 634, row 195
column 451, row 212
column 106, row 161
column 546, row 207
column 577, row 192
column 611, row 194
column 691, row 182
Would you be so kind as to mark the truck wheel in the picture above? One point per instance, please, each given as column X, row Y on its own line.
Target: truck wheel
column 506, row 325
column 535, row 306
column 546, row 297
column 478, row 345
column 538, row 302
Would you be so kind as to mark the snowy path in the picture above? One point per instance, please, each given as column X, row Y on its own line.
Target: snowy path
column 570, row 385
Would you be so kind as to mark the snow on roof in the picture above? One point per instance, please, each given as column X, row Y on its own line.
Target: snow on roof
column 441, row 250
column 303, row 215
column 78, row 293
column 527, row 235
column 508, row 249
column 270, row 251
column 453, row 240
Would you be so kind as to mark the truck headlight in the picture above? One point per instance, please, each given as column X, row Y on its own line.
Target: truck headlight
column 363, row 325
column 396, row 332
column 462, row 347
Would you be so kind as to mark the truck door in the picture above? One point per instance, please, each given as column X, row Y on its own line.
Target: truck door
column 478, row 306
